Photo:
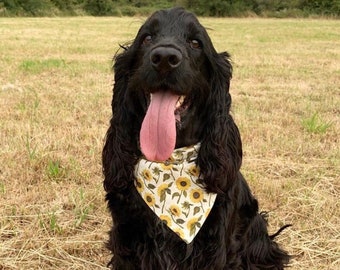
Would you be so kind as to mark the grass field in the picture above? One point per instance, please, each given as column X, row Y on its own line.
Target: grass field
column 55, row 94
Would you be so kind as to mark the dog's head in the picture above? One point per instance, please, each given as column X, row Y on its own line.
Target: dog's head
column 172, row 90
column 172, row 71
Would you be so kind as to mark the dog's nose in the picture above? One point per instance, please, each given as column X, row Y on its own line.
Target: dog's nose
column 165, row 59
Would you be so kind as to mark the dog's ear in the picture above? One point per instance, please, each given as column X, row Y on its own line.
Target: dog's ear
column 220, row 154
column 120, row 148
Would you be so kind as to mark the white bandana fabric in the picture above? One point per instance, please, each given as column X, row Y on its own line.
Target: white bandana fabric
column 173, row 192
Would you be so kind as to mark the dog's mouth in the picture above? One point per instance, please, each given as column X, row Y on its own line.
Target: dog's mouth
column 158, row 130
column 181, row 107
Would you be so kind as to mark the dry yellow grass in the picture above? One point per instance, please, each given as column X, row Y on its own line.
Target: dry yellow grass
column 55, row 91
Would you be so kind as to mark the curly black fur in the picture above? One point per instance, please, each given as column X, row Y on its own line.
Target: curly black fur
column 235, row 234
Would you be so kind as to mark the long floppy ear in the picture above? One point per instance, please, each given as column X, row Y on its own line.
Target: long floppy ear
column 220, row 155
column 120, row 149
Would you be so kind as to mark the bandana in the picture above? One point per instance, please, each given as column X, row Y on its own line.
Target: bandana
column 174, row 191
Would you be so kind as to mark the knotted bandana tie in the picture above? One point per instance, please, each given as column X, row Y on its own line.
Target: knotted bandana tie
column 173, row 191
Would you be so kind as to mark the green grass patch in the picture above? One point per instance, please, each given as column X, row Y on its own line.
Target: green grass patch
column 49, row 223
column 2, row 188
column 30, row 148
column 37, row 66
column 82, row 207
column 315, row 124
column 55, row 170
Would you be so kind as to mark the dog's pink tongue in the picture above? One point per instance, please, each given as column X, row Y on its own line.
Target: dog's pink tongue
column 158, row 132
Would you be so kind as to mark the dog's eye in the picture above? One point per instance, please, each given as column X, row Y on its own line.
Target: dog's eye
column 195, row 44
column 147, row 40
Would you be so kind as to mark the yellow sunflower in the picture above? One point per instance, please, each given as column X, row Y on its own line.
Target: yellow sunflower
column 139, row 185
column 196, row 195
column 147, row 174
column 175, row 210
column 183, row 183
column 194, row 171
column 166, row 219
column 167, row 165
column 191, row 224
column 149, row 199
column 179, row 232
column 161, row 189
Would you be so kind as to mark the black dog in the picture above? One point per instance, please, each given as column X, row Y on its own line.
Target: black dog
column 172, row 91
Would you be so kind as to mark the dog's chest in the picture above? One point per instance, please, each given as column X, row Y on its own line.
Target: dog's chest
column 173, row 191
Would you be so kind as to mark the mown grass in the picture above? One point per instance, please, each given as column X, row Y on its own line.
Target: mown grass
column 55, row 94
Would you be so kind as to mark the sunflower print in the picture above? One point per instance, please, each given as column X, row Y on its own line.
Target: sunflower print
column 192, row 223
column 168, row 164
column 172, row 190
column 183, row 183
column 147, row 175
column 196, row 195
column 194, row 171
column 166, row 167
column 175, row 210
column 149, row 199
column 166, row 219
column 179, row 232
column 162, row 189
column 139, row 185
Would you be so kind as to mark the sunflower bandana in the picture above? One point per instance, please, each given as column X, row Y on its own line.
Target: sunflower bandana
column 174, row 193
